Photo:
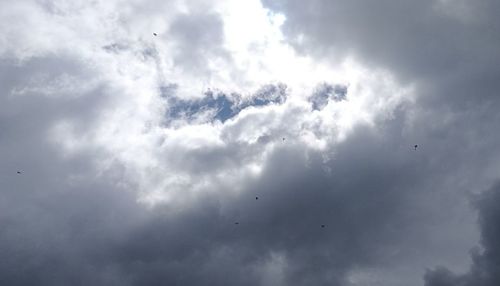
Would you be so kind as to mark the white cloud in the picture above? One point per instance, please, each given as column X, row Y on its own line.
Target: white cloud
column 129, row 128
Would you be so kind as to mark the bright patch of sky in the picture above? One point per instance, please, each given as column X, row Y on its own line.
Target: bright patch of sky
column 244, row 90
column 260, row 56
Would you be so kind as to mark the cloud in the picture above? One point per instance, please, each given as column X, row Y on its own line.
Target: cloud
column 199, row 37
column 446, row 50
column 484, row 268
column 324, row 92
column 420, row 40
column 139, row 153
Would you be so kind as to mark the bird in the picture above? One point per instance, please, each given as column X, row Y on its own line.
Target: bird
column 415, row 147
column 155, row 34
column 19, row 172
column 322, row 226
column 283, row 138
column 256, row 198
column 236, row 223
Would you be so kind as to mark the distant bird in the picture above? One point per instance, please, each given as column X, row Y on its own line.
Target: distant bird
column 415, row 147
column 322, row 226
column 19, row 172
column 256, row 198
column 236, row 223
column 155, row 34
column 283, row 138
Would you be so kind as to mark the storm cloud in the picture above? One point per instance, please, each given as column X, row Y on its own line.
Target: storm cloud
column 485, row 259
column 133, row 159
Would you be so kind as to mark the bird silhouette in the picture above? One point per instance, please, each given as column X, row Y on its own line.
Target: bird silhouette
column 415, row 147
column 322, row 226
column 19, row 172
column 256, row 198
column 155, row 34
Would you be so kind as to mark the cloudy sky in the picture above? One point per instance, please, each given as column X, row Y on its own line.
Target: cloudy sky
column 257, row 142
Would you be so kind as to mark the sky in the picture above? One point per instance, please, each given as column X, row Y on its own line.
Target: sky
column 258, row 142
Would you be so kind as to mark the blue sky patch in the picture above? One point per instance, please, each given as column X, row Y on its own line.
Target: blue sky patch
column 220, row 105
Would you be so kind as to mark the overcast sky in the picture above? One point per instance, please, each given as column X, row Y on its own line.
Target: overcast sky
column 226, row 142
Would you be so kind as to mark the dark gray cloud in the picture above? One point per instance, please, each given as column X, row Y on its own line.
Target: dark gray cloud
column 58, row 210
column 485, row 261
column 448, row 48
column 93, row 232
column 449, row 51
column 421, row 40
column 76, row 215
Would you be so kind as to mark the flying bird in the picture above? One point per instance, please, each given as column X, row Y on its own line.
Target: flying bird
column 322, row 226
column 155, row 34
column 19, row 172
column 415, row 147
column 283, row 138
column 236, row 223
column 256, row 198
